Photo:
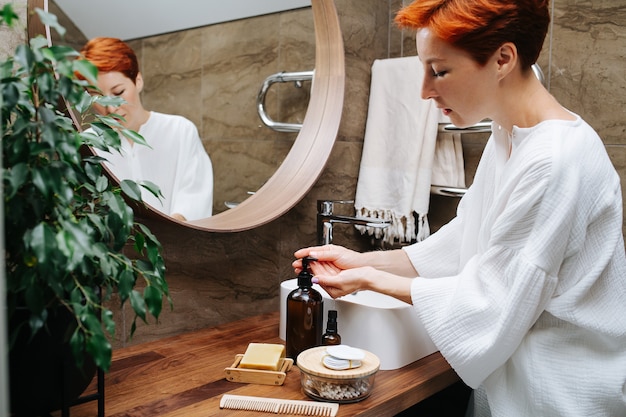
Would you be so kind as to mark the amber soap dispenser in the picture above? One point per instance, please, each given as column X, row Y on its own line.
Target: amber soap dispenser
column 305, row 314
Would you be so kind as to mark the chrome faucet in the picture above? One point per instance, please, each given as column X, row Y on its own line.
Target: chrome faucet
column 326, row 219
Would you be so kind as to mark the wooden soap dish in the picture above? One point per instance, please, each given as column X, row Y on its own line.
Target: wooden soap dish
column 258, row 376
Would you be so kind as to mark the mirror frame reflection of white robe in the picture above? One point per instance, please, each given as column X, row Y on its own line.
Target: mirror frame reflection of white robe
column 175, row 160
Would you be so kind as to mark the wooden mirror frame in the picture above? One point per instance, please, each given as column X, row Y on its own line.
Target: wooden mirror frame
column 311, row 149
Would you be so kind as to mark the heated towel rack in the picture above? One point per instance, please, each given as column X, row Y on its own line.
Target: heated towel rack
column 280, row 77
column 483, row 126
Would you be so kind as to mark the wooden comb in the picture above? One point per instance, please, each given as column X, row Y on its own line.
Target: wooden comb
column 278, row 406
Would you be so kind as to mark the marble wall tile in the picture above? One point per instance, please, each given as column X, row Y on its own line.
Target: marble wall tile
column 365, row 25
column 587, row 71
column 171, row 69
column 260, row 159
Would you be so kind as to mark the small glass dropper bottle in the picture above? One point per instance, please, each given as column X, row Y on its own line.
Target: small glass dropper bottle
column 331, row 337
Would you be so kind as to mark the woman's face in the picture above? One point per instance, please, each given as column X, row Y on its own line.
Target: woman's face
column 116, row 84
column 457, row 83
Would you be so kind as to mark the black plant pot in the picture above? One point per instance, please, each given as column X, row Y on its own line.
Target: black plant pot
column 43, row 373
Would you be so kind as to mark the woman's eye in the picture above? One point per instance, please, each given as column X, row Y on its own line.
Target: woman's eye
column 439, row 73
column 118, row 93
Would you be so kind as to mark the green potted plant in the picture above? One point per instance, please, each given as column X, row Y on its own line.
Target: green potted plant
column 71, row 240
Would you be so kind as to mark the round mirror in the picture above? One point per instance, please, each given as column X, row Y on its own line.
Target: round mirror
column 311, row 148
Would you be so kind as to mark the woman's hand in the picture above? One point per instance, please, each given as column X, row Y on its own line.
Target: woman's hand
column 342, row 271
column 346, row 281
column 331, row 259
column 179, row 216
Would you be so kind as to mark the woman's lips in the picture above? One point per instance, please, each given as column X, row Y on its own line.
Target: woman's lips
column 446, row 112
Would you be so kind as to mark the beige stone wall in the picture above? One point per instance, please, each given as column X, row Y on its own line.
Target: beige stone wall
column 11, row 37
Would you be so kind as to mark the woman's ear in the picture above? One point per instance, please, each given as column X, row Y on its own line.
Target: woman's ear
column 506, row 59
column 139, row 82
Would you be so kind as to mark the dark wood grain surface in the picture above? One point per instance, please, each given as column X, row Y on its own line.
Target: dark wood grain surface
column 184, row 376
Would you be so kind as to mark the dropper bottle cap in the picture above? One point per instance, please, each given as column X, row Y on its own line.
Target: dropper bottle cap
column 305, row 276
column 332, row 321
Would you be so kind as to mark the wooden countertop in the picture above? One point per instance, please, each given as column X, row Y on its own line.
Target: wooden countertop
column 184, row 376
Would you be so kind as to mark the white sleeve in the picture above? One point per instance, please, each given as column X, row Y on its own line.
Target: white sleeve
column 441, row 250
column 193, row 190
column 478, row 316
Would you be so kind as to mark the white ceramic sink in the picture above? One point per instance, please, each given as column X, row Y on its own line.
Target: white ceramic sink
column 383, row 325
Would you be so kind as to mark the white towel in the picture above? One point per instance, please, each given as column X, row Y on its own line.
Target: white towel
column 398, row 149
column 448, row 164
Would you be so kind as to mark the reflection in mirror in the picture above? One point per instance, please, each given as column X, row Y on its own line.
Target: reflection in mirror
column 212, row 76
column 174, row 157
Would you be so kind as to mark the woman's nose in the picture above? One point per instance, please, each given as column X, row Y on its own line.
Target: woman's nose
column 428, row 90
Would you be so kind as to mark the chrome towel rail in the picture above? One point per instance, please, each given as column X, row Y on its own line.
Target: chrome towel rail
column 280, row 77
column 484, row 126
column 447, row 191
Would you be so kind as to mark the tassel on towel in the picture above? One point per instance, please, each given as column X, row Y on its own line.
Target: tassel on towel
column 401, row 229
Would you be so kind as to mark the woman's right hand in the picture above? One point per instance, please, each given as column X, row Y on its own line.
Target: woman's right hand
column 331, row 259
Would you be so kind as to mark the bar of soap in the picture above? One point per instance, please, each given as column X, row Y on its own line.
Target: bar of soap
column 265, row 356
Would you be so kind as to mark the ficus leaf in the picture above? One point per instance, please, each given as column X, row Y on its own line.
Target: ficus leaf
column 152, row 187
column 102, row 183
column 100, row 350
column 154, row 300
column 138, row 304
column 86, row 69
column 16, row 176
column 131, row 189
column 24, row 56
column 40, row 240
column 51, row 20
column 7, row 15
column 107, row 320
column 135, row 137
column 125, row 284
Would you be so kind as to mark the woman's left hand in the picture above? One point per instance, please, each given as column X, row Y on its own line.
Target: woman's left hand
column 347, row 281
column 179, row 216
column 338, row 283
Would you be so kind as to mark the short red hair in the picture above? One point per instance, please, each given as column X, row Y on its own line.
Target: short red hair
column 112, row 54
column 480, row 27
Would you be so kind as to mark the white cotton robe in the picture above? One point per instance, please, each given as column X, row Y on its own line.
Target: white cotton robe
column 524, row 292
column 176, row 161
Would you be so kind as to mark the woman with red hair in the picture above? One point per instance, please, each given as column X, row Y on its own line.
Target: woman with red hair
column 175, row 159
column 524, row 291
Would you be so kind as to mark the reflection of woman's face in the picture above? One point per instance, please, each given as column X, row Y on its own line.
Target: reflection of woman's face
column 116, row 84
column 454, row 80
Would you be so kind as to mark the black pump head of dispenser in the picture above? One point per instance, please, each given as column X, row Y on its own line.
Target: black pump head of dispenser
column 304, row 277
